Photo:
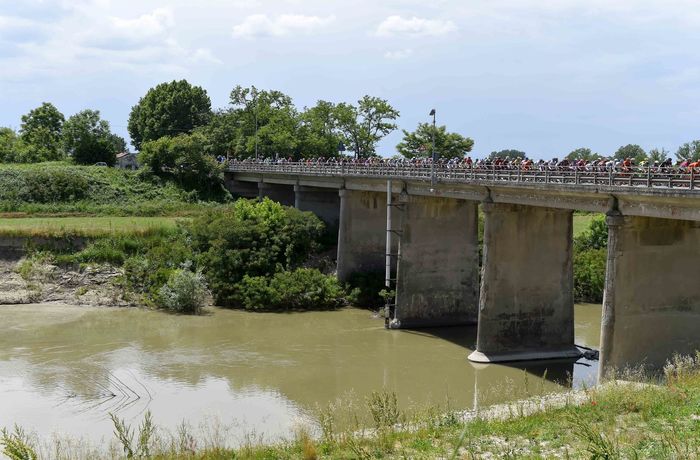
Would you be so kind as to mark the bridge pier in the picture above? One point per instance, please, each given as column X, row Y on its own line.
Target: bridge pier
column 361, row 232
column 651, row 306
column 526, row 307
column 281, row 193
column 438, row 268
column 325, row 203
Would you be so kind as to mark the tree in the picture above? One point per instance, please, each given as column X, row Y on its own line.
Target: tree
column 447, row 145
column 656, row 155
column 508, row 153
column 632, row 151
column 268, row 122
column 318, row 133
column 364, row 125
column 41, row 132
column 689, row 151
column 183, row 159
column 87, row 138
column 168, row 109
column 583, row 153
column 10, row 146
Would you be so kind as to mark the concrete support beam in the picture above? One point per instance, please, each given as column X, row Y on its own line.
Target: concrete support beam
column 361, row 232
column 651, row 306
column 526, row 307
column 241, row 189
column 283, row 194
column 438, row 268
column 324, row 203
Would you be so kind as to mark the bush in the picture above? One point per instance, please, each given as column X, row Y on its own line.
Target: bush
column 185, row 292
column 589, row 275
column 301, row 289
column 251, row 239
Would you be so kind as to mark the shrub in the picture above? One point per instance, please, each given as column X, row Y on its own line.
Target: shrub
column 185, row 291
column 365, row 288
column 254, row 239
column 301, row 289
column 589, row 275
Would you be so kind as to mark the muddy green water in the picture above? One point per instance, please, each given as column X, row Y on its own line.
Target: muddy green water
column 63, row 369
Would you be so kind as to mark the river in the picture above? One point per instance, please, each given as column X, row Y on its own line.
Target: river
column 63, row 369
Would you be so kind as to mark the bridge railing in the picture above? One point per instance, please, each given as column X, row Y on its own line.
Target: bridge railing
column 650, row 177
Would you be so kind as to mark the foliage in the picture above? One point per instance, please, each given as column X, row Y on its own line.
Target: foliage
column 12, row 148
column 364, row 125
column 658, row 155
column 689, row 151
column 185, row 291
column 632, row 151
column 41, row 132
column 512, row 153
column 88, row 139
column 583, row 153
column 590, row 258
column 364, row 289
column 254, row 239
column 183, row 159
column 125, row 435
column 318, row 132
column 17, row 445
column 447, row 145
column 168, row 109
column 300, row 289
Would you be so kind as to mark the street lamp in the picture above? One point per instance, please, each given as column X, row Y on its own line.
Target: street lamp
column 432, row 163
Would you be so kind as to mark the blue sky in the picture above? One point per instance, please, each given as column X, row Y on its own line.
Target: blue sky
column 543, row 76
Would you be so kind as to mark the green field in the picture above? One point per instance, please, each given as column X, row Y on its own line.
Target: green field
column 84, row 226
column 582, row 221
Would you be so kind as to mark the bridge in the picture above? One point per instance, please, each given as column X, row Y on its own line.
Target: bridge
column 420, row 225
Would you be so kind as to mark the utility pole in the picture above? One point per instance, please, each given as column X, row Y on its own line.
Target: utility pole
column 432, row 163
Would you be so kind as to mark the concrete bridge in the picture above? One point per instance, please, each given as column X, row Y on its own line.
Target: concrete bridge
column 421, row 227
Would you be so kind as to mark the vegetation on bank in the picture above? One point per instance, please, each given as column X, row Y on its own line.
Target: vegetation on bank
column 590, row 257
column 656, row 419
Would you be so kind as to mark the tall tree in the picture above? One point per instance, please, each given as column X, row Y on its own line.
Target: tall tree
column 689, row 151
column 41, row 132
column 318, row 132
column 10, row 146
column 447, row 145
column 512, row 153
column 632, row 151
column 87, row 138
column 364, row 125
column 168, row 109
column 583, row 153
column 658, row 155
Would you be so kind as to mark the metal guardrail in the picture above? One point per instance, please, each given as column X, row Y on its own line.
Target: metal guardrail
column 638, row 177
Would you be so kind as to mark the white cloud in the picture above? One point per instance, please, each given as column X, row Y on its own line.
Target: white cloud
column 398, row 54
column 261, row 25
column 157, row 23
column 416, row 27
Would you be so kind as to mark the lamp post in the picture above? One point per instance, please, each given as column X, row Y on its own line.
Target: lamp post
column 255, row 101
column 432, row 163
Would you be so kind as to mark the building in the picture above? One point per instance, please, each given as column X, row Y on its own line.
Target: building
column 127, row 160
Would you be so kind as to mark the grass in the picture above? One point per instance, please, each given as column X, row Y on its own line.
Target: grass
column 582, row 222
column 657, row 419
column 85, row 226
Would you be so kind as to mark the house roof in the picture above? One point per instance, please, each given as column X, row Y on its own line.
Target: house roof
column 124, row 154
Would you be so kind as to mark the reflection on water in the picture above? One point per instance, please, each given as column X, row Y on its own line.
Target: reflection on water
column 62, row 369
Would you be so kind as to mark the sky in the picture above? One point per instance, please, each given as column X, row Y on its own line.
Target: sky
column 542, row 76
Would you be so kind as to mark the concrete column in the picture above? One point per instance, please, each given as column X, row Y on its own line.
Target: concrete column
column 361, row 232
column 325, row 203
column 526, row 307
column 651, row 306
column 281, row 193
column 438, row 267
column 241, row 189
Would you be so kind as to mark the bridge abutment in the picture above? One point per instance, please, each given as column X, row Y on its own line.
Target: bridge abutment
column 281, row 193
column 526, row 305
column 438, row 268
column 324, row 203
column 651, row 306
column 242, row 189
column 361, row 232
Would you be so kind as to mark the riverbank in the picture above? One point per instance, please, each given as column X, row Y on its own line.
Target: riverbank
column 617, row 420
